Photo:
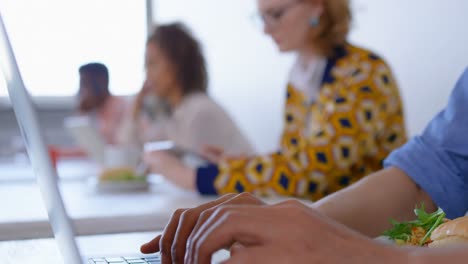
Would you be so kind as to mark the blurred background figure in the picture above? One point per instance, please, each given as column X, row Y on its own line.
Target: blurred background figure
column 173, row 103
column 96, row 101
column 343, row 113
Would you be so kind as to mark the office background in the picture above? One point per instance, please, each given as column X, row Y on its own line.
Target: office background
column 425, row 42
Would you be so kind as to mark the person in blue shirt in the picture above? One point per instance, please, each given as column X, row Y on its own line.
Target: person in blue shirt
column 431, row 168
column 437, row 161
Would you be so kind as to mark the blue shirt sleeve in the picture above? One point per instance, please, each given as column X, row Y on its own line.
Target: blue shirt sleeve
column 438, row 159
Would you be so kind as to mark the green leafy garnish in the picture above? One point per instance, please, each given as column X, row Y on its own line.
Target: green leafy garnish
column 429, row 222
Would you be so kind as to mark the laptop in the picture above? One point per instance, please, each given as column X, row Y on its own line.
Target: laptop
column 45, row 174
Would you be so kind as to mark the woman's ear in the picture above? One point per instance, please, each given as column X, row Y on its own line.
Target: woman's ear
column 316, row 12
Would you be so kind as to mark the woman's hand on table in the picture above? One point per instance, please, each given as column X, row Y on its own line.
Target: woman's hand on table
column 215, row 154
column 171, row 168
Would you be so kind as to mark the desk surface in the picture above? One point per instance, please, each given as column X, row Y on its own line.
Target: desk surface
column 24, row 203
column 46, row 251
column 20, row 170
column 24, row 217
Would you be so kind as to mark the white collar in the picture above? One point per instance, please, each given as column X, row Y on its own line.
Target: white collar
column 307, row 77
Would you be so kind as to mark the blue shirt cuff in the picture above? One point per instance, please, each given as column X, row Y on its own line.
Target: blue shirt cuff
column 206, row 177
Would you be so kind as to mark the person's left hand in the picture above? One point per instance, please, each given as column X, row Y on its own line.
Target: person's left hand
column 138, row 102
column 213, row 154
column 171, row 168
column 289, row 232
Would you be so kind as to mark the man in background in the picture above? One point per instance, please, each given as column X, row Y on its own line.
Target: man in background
column 96, row 101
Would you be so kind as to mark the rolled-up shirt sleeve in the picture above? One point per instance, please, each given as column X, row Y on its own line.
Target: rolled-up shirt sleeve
column 437, row 160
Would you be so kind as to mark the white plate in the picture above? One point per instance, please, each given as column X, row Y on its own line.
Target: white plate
column 119, row 186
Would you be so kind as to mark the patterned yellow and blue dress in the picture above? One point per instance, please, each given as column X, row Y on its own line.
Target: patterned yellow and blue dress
column 354, row 123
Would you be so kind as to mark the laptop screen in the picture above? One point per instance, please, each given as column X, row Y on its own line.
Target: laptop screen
column 37, row 151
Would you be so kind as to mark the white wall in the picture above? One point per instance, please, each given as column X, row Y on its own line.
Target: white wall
column 53, row 38
column 425, row 42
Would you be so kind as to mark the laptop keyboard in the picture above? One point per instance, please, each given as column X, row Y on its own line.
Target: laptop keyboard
column 127, row 260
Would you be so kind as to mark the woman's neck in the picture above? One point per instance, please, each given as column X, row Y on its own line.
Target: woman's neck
column 308, row 54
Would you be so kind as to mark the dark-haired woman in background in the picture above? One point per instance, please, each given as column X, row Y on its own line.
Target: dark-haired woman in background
column 176, row 74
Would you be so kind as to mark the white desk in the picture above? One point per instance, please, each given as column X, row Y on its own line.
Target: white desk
column 20, row 170
column 46, row 251
column 23, row 215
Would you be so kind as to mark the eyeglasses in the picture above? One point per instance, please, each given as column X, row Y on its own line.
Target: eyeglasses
column 273, row 16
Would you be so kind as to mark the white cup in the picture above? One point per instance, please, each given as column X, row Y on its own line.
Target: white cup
column 119, row 156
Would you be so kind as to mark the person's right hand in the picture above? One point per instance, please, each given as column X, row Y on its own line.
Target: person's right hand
column 138, row 103
column 172, row 242
column 287, row 232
